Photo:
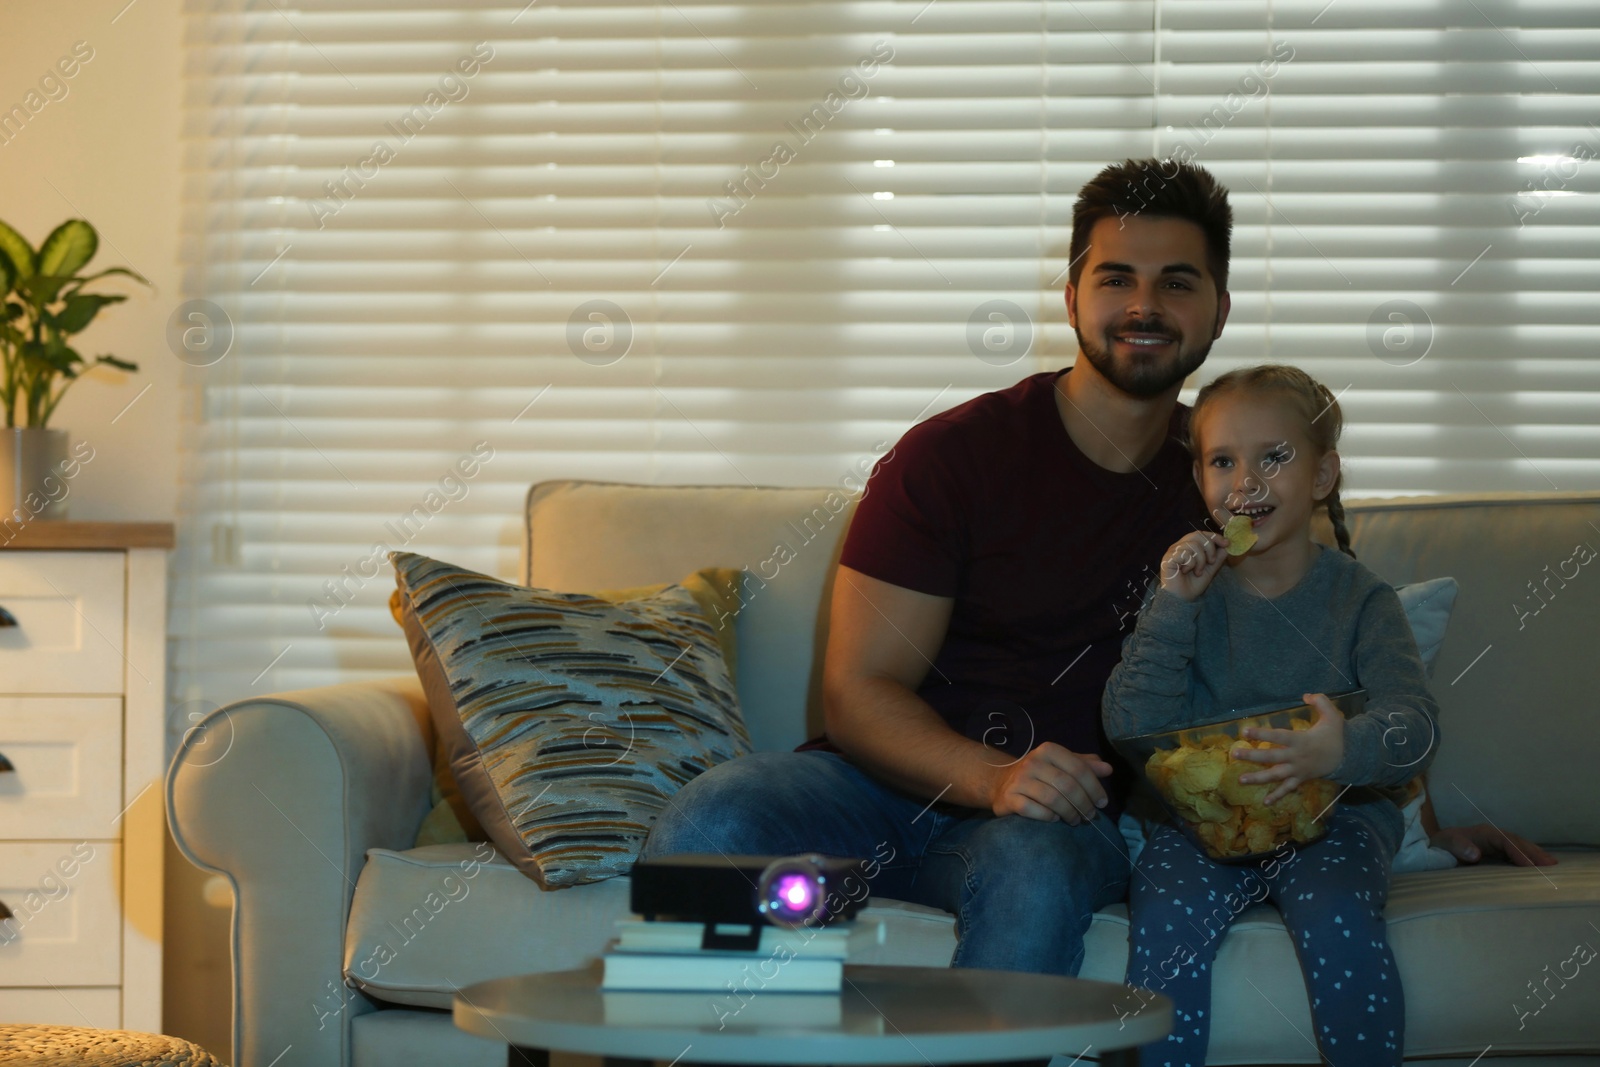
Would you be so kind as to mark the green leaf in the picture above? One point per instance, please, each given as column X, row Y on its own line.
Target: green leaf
column 101, row 274
column 81, row 310
column 68, row 248
column 13, row 310
column 69, row 362
column 53, row 356
column 18, row 251
column 41, row 289
column 120, row 364
column 8, row 274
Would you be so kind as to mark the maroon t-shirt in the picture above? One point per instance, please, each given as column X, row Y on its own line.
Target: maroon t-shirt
column 1047, row 554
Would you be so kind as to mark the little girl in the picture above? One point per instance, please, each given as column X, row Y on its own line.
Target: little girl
column 1287, row 620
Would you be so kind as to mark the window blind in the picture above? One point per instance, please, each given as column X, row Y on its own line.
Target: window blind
column 736, row 243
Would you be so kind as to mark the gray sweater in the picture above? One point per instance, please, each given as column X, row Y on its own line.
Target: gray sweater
column 1340, row 627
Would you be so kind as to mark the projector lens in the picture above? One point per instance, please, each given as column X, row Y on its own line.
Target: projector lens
column 792, row 890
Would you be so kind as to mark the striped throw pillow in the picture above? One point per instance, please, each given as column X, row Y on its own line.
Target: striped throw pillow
column 569, row 720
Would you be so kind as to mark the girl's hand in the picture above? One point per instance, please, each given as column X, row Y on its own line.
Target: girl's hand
column 1192, row 562
column 1304, row 755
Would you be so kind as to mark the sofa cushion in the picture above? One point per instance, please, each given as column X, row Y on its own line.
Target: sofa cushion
column 1427, row 606
column 569, row 721
column 714, row 589
column 404, row 947
column 1468, row 942
column 1516, row 677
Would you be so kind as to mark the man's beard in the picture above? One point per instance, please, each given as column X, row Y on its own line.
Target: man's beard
column 1145, row 379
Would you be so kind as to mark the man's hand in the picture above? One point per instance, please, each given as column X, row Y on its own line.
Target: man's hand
column 1304, row 755
column 1469, row 844
column 1052, row 783
column 1191, row 563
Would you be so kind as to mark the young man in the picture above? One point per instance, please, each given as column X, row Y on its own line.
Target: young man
column 988, row 578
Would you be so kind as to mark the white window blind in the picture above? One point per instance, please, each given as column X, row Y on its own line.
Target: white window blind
column 747, row 242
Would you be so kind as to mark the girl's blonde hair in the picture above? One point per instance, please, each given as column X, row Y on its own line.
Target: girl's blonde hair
column 1310, row 398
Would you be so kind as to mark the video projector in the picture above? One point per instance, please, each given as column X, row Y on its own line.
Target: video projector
column 735, row 896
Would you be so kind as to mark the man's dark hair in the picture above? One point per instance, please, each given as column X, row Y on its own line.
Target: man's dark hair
column 1158, row 189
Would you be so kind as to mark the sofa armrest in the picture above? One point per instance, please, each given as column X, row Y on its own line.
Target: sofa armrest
column 283, row 795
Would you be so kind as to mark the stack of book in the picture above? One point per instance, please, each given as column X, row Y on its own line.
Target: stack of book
column 667, row 956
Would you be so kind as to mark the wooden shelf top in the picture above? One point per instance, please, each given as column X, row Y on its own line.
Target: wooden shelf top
column 47, row 533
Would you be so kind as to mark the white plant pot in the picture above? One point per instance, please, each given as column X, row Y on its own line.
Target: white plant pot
column 31, row 482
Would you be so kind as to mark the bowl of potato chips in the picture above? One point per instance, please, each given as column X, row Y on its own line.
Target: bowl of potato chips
column 1196, row 776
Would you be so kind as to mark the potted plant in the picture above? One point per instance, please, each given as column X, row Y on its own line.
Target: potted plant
column 45, row 305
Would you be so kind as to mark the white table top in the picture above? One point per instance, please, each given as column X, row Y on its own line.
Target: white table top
column 882, row 1015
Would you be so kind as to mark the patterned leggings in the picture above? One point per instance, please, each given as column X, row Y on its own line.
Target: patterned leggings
column 1331, row 894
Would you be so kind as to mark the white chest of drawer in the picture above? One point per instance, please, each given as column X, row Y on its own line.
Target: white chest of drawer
column 82, row 701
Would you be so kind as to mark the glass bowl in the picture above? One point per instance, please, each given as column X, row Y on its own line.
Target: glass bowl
column 1197, row 779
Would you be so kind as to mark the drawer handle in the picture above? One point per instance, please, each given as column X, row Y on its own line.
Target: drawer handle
column 5, row 765
column 6, row 618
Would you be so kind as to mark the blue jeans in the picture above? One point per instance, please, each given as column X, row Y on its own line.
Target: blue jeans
column 1022, row 891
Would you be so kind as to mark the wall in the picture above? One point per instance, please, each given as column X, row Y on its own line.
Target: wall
column 106, row 151
column 107, row 148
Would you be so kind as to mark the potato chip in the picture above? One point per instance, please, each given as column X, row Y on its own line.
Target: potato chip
column 1259, row 836
column 1237, row 792
column 1186, row 812
column 1214, row 838
column 1306, row 828
column 1240, row 535
column 1202, row 771
column 1318, row 794
column 1210, row 805
column 1213, row 810
column 1169, row 759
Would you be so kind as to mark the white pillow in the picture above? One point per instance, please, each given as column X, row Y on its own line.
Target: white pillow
column 1415, row 853
column 1427, row 606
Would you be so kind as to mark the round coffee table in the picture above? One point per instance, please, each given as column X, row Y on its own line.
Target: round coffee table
column 883, row 1015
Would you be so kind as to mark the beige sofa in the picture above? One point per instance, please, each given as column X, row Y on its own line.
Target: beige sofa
column 311, row 809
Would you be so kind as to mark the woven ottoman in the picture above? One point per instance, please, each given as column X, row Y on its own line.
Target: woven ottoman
column 36, row 1046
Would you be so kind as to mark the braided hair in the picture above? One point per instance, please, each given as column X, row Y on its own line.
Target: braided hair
column 1315, row 404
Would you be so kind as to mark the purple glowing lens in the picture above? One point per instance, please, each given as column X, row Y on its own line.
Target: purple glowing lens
column 790, row 891
column 796, row 891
